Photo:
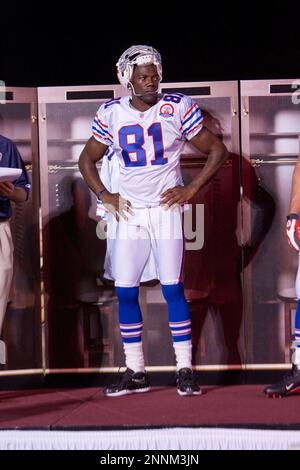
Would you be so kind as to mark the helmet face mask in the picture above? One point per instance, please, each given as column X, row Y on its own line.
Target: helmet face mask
column 137, row 55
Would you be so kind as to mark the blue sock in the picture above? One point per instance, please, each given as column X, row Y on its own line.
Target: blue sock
column 179, row 315
column 130, row 315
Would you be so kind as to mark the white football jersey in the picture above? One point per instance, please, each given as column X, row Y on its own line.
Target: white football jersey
column 148, row 143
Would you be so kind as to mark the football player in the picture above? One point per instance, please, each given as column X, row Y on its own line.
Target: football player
column 291, row 381
column 148, row 131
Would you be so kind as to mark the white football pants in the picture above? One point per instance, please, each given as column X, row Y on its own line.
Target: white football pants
column 152, row 230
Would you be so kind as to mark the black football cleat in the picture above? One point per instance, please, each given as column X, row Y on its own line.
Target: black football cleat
column 289, row 385
column 186, row 383
column 130, row 382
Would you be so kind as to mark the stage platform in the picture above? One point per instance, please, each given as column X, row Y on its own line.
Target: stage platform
column 229, row 417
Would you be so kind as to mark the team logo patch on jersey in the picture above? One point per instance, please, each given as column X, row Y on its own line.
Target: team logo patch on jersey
column 166, row 110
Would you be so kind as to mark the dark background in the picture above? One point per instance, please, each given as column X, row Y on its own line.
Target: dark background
column 79, row 43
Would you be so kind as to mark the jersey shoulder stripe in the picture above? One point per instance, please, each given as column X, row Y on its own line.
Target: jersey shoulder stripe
column 103, row 128
column 100, row 126
column 100, row 136
column 192, row 119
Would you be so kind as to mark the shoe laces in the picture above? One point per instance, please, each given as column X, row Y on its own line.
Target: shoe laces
column 290, row 375
column 187, row 377
column 124, row 377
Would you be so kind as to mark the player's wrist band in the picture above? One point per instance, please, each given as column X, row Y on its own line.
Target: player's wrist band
column 293, row 215
column 100, row 192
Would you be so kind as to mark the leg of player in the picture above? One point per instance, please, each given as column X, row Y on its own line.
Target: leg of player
column 291, row 381
column 180, row 325
column 168, row 249
column 131, row 251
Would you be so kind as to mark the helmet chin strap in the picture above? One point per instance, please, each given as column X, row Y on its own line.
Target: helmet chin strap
column 133, row 90
column 140, row 94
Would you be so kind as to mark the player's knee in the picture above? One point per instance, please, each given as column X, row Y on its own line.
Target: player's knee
column 127, row 294
column 173, row 292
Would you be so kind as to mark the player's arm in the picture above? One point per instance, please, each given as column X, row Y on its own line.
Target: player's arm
column 208, row 144
column 90, row 155
column 293, row 222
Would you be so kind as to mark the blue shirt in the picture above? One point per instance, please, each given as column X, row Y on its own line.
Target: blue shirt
column 10, row 157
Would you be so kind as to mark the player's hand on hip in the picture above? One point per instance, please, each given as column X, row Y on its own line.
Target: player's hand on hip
column 177, row 196
column 293, row 231
column 117, row 205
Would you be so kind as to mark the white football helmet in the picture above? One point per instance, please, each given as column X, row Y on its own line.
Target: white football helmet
column 137, row 55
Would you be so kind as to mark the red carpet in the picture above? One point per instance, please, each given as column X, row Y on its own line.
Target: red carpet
column 85, row 408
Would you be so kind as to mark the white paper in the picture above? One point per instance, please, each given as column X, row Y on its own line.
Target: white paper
column 9, row 174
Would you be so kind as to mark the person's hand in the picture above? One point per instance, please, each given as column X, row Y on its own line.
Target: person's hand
column 117, row 205
column 6, row 189
column 293, row 231
column 178, row 195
